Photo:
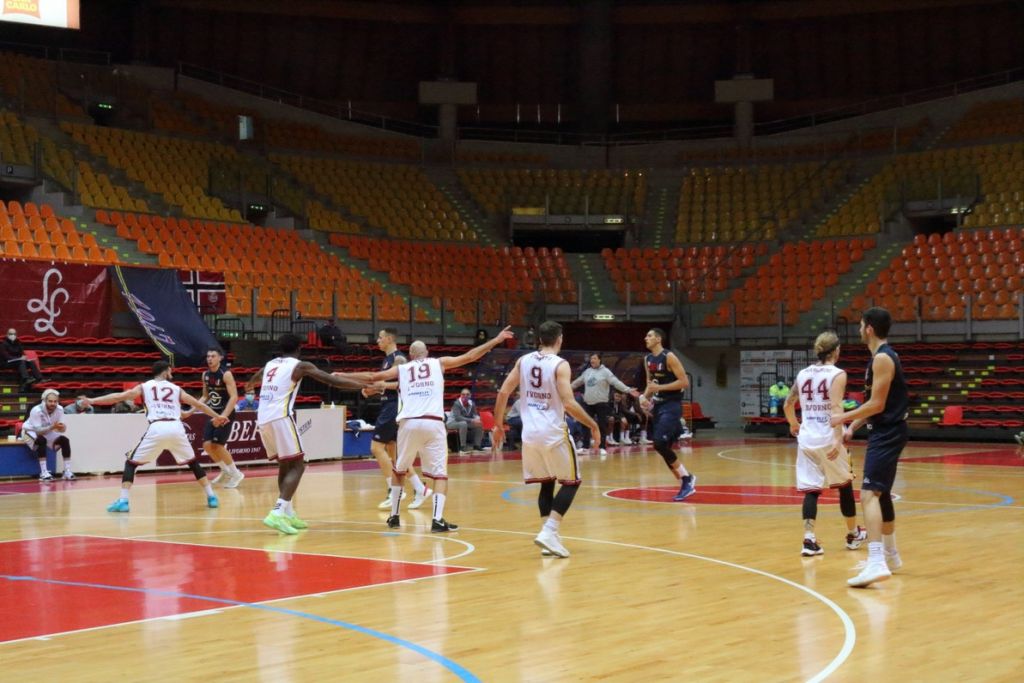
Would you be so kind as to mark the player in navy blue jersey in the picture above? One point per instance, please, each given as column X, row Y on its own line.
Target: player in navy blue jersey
column 886, row 402
column 666, row 381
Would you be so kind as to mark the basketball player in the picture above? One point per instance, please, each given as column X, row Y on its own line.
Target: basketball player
column 163, row 401
column 549, row 454
column 885, row 411
column 275, row 417
column 821, row 458
column 385, row 429
column 666, row 381
column 216, row 381
column 421, row 425
column 44, row 429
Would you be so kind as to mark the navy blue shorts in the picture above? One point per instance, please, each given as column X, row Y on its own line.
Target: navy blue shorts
column 216, row 434
column 385, row 429
column 885, row 444
column 665, row 425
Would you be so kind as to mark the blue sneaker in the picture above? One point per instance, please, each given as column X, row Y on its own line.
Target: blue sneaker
column 687, row 489
column 212, row 502
column 119, row 505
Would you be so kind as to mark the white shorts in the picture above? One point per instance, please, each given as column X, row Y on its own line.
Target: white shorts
column 550, row 461
column 281, row 439
column 160, row 436
column 426, row 438
column 815, row 472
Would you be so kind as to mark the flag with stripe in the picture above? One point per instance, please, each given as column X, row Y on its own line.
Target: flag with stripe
column 206, row 289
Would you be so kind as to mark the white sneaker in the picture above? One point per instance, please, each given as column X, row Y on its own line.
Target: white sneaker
column 549, row 540
column 386, row 503
column 45, row 476
column 583, row 451
column 602, row 452
column 644, row 441
column 68, row 475
column 872, row 573
column 687, row 435
column 893, row 561
column 234, row 480
column 611, row 442
column 418, row 500
column 218, row 478
column 856, row 538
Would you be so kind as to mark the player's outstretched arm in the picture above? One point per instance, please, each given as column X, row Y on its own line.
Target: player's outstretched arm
column 110, row 399
column 196, row 404
column 476, row 353
column 342, row 380
column 255, row 380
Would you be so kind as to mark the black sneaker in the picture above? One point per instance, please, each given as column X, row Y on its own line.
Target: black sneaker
column 393, row 522
column 440, row 526
column 811, row 548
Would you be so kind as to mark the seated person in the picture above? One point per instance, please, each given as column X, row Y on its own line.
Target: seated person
column 80, row 406
column 44, row 429
column 626, row 419
column 466, row 419
column 515, row 422
column 330, row 336
column 248, row 402
column 13, row 355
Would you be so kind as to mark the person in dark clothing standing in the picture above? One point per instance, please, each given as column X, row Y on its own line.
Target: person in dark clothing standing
column 886, row 402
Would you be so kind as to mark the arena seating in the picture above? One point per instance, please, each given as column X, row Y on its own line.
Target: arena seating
column 277, row 261
column 397, row 199
column 988, row 120
column 796, row 276
column 700, row 271
column 32, row 83
column 473, row 156
column 460, row 275
column 944, row 271
column 498, row 190
column 744, row 203
column 35, row 232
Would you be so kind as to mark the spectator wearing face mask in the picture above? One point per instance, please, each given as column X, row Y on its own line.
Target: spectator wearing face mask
column 248, row 402
column 13, row 354
column 79, row 407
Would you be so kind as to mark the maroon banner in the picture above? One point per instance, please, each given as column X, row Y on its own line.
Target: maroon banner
column 55, row 299
column 244, row 440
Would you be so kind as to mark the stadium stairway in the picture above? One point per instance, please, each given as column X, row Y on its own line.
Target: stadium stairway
column 598, row 288
column 280, row 171
column 106, row 235
column 445, row 180
column 863, row 171
column 659, row 226
column 343, row 255
column 851, row 284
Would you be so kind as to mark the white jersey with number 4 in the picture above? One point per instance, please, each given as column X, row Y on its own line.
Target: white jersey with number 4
column 162, row 399
column 814, row 386
column 278, row 391
column 541, row 407
column 421, row 389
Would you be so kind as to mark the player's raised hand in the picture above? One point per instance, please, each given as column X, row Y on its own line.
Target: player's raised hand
column 505, row 334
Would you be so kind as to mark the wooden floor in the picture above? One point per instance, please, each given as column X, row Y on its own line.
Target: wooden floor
column 713, row 590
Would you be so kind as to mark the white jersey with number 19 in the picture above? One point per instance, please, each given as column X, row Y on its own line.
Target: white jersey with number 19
column 278, row 392
column 163, row 400
column 421, row 389
column 541, row 407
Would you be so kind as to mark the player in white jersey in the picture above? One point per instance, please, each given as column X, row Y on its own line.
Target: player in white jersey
column 279, row 385
column 163, row 401
column 421, row 425
column 822, row 460
column 549, row 455
column 44, row 429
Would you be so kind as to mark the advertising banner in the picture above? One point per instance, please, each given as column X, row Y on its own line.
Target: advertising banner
column 57, row 13
column 56, row 299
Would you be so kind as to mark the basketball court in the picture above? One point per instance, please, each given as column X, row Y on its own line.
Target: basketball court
column 711, row 589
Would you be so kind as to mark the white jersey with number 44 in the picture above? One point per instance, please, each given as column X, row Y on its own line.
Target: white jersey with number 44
column 421, row 389
column 540, row 406
column 814, row 385
column 162, row 399
column 278, row 391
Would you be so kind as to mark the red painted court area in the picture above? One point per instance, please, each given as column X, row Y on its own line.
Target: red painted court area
column 1000, row 458
column 31, row 608
column 724, row 495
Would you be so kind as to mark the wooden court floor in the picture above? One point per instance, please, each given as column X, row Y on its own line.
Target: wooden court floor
column 709, row 590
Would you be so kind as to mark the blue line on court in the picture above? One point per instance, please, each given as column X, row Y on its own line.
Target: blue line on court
column 460, row 671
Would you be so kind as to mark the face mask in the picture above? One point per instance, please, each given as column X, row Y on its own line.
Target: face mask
column 12, row 337
column 250, row 396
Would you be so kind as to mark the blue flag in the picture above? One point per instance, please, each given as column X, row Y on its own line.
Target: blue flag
column 166, row 312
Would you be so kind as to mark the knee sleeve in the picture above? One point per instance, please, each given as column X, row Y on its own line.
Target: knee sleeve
column 64, row 444
column 129, row 472
column 888, row 511
column 40, row 445
column 810, row 509
column 665, row 451
column 546, row 497
column 563, row 499
column 197, row 469
column 847, row 504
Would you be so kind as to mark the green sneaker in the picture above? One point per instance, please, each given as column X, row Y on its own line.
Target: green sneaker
column 280, row 523
column 296, row 523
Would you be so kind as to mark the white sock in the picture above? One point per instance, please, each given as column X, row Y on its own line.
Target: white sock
column 417, row 483
column 439, row 499
column 287, row 509
column 875, row 552
column 208, row 488
column 389, row 485
column 643, row 434
column 889, row 541
column 680, row 470
column 124, row 494
column 279, row 507
column 396, row 498
column 809, row 536
column 552, row 524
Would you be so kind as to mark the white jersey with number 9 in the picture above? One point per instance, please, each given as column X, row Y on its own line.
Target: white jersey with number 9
column 541, row 407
